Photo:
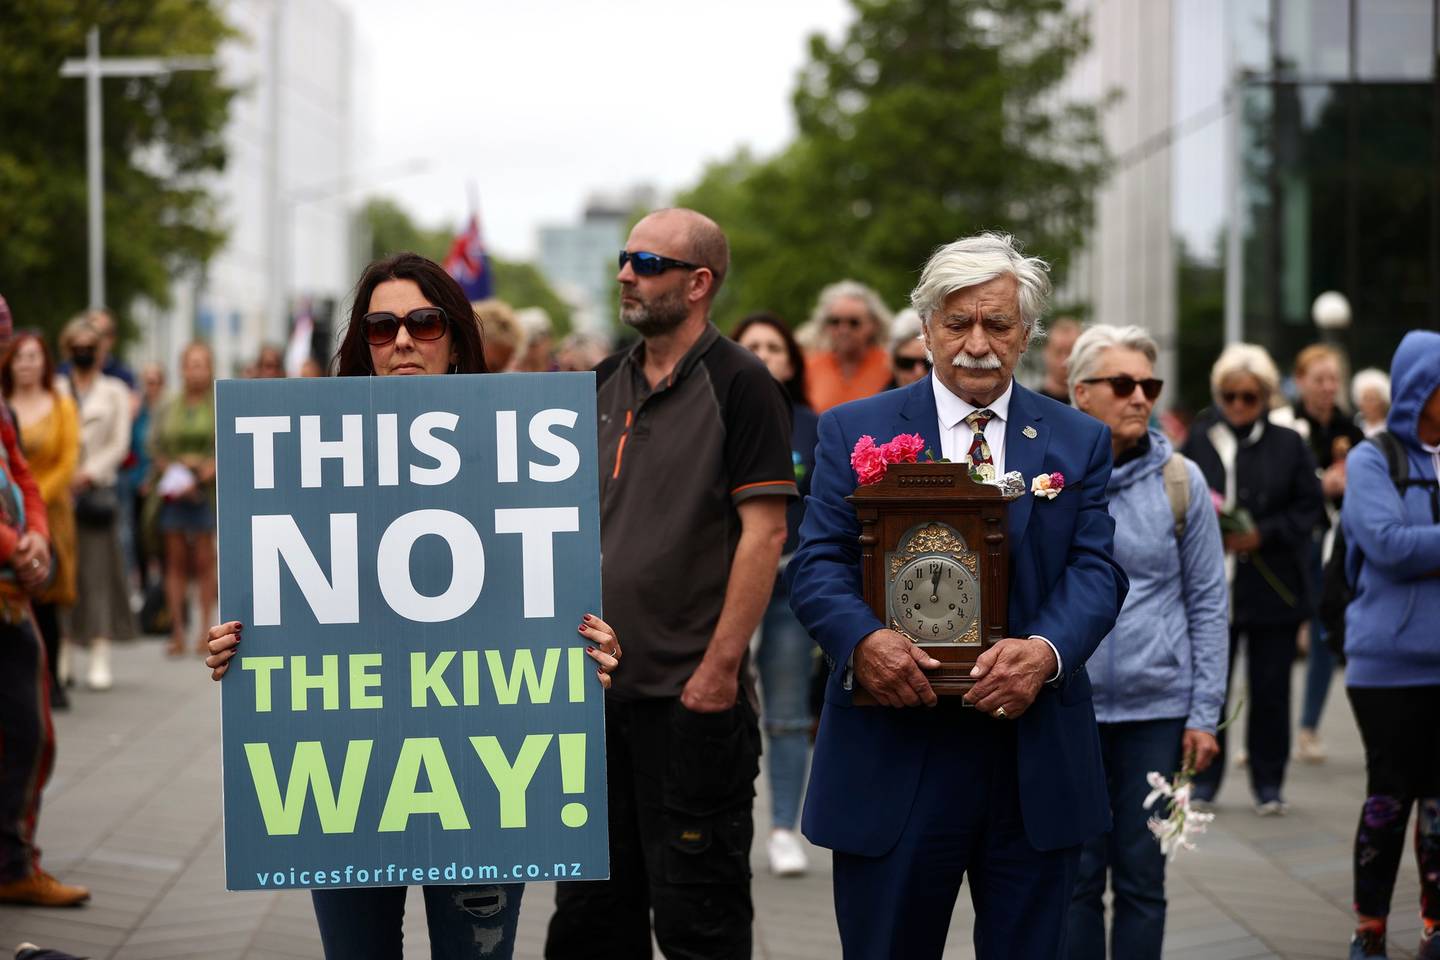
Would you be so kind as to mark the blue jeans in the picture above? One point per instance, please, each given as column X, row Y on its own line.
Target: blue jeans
column 784, row 661
column 1128, row 851
column 465, row 923
column 1320, row 668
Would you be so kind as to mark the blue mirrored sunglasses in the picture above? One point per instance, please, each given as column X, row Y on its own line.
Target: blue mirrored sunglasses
column 648, row 264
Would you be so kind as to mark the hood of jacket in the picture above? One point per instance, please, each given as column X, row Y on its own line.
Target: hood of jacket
column 1149, row 464
column 1414, row 375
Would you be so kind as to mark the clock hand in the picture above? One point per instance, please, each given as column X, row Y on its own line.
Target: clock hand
column 935, row 586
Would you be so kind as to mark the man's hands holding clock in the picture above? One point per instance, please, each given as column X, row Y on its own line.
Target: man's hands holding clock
column 1009, row 675
column 889, row 666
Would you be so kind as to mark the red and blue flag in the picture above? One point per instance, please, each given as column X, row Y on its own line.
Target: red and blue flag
column 468, row 263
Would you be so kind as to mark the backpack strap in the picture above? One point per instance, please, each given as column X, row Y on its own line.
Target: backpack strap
column 1177, row 491
column 1398, row 461
column 1395, row 458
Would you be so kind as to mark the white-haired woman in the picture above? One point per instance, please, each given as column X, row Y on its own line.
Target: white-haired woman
column 1263, row 476
column 1370, row 392
column 1159, row 675
column 908, row 362
column 855, row 322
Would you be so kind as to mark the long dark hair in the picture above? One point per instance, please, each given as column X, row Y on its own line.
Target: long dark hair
column 437, row 286
column 7, row 375
column 795, row 386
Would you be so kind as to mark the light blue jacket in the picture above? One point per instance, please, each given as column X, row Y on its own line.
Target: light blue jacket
column 1391, row 635
column 1168, row 654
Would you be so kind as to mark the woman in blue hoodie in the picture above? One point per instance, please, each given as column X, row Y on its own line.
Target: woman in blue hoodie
column 1159, row 676
column 1392, row 648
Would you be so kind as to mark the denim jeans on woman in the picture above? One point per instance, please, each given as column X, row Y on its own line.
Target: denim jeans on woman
column 784, row 661
column 1128, row 853
column 1320, row 666
column 465, row 922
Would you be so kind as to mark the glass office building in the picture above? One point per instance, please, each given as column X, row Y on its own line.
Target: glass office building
column 1301, row 142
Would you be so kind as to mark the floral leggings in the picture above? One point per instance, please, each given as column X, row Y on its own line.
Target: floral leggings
column 1401, row 730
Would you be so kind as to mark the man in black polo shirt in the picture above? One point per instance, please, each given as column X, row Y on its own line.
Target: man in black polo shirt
column 695, row 474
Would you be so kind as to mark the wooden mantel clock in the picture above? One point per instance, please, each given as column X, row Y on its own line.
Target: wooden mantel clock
column 935, row 561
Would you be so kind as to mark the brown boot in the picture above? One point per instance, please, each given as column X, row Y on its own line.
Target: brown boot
column 42, row 890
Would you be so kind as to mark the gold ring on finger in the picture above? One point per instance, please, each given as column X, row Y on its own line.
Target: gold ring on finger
column 1000, row 713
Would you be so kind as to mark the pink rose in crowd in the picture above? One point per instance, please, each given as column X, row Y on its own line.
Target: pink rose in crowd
column 1219, row 501
column 868, row 461
column 905, row 448
column 1057, row 481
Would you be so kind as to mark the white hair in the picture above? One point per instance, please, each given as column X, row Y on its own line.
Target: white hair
column 1246, row 358
column 974, row 260
column 874, row 306
column 905, row 328
column 1094, row 341
column 535, row 321
column 1371, row 378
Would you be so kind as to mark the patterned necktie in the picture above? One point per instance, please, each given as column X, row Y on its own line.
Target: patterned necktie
column 979, row 449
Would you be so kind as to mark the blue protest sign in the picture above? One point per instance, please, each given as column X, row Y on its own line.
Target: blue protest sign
column 411, row 701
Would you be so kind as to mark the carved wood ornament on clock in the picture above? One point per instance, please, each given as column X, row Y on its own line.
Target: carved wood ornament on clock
column 935, row 561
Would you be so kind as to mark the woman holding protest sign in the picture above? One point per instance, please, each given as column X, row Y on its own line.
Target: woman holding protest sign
column 409, row 317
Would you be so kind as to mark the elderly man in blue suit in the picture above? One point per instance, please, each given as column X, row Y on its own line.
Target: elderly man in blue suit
column 918, row 793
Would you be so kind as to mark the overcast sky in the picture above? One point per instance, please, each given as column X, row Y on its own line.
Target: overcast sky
column 542, row 102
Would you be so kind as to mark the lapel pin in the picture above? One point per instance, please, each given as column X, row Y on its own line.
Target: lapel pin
column 1029, row 433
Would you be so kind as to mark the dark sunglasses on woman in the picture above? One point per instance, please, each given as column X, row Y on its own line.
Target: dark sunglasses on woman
column 423, row 323
column 910, row 363
column 1125, row 386
column 647, row 264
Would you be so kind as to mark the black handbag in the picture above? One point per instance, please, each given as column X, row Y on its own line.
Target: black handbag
column 97, row 507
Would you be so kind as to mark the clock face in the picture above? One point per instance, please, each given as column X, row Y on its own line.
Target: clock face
column 934, row 599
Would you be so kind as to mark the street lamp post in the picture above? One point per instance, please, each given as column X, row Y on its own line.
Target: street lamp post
column 93, row 67
column 333, row 189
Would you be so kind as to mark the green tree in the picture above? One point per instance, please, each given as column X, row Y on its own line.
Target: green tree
column 521, row 285
column 1200, row 309
column 928, row 120
column 162, row 136
column 391, row 229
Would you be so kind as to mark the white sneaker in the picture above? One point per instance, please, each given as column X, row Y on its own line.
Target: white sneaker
column 98, row 676
column 1272, row 808
column 787, row 856
column 64, row 664
column 1309, row 748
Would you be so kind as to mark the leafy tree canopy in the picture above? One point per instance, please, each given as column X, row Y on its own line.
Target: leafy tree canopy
column 929, row 120
column 392, row 230
column 162, row 135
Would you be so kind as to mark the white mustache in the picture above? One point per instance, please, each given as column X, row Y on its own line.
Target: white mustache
column 964, row 361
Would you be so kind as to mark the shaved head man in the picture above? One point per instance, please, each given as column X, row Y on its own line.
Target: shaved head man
column 696, row 471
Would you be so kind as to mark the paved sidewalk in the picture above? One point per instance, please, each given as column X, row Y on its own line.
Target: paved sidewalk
column 134, row 812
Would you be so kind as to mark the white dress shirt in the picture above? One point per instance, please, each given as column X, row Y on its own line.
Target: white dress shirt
column 955, row 433
column 956, row 437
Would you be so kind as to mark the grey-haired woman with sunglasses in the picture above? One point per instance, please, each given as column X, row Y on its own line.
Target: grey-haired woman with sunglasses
column 410, row 318
column 1262, row 476
column 1159, row 675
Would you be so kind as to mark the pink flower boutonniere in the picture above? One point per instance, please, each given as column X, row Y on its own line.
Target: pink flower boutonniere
column 1048, row 485
column 870, row 461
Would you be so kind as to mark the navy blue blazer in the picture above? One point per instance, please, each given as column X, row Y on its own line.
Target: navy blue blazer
column 1064, row 585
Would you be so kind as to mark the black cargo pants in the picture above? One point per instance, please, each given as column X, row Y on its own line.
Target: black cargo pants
column 682, row 789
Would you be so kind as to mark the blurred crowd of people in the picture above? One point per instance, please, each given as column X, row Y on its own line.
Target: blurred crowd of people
column 125, row 474
column 1256, row 490
column 127, row 477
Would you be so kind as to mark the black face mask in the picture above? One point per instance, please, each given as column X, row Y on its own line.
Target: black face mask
column 83, row 358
